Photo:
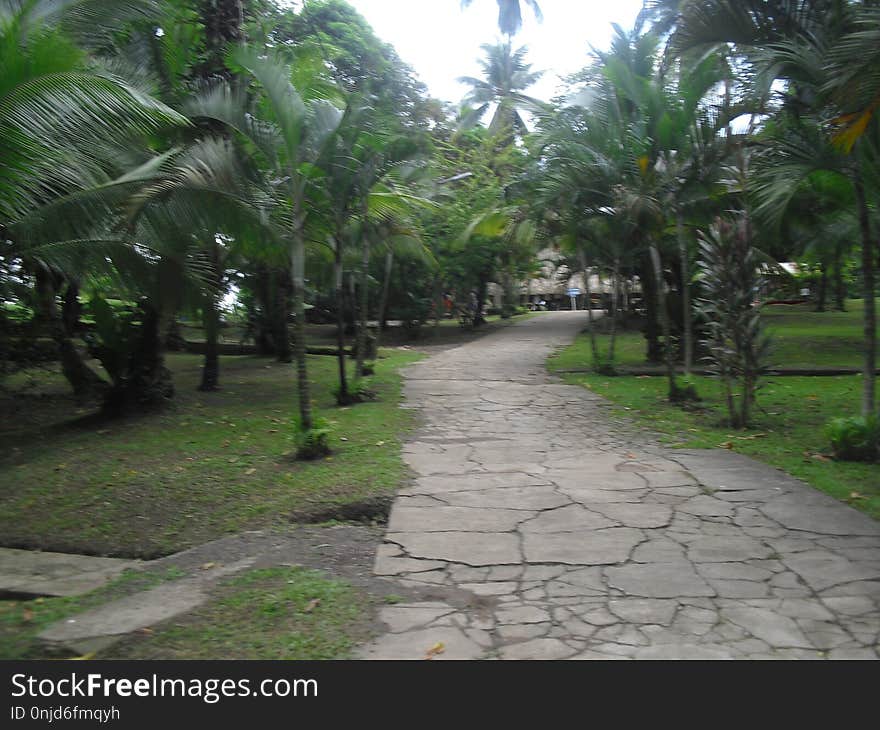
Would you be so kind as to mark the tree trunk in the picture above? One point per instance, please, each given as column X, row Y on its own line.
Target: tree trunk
column 281, row 316
column 481, row 297
column 146, row 383
column 615, row 277
column 664, row 322
column 298, row 265
column 211, row 366
column 342, row 398
column 594, row 348
column 839, row 286
column 870, row 320
column 84, row 381
column 386, row 286
column 686, row 314
column 364, row 303
column 649, row 296
column 823, row 288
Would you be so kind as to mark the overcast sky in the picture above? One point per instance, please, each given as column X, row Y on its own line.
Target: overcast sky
column 441, row 41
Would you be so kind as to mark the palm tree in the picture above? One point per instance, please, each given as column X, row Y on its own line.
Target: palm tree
column 65, row 122
column 505, row 77
column 510, row 14
column 288, row 142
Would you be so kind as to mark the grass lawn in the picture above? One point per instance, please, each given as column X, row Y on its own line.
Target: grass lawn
column 212, row 464
column 267, row 613
column 788, row 431
column 802, row 338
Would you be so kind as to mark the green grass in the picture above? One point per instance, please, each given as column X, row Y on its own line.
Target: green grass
column 213, row 464
column 801, row 337
column 21, row 621
column 269, row 613
column 788, row 431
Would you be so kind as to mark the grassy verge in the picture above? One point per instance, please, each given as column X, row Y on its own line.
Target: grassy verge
column 802, row 338
column 214, row 463
column 269, row 613
column 788, row 431
column 21, row 621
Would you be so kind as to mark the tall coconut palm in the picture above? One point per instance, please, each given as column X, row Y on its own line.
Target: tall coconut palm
column 506, row 76
column 510, row 14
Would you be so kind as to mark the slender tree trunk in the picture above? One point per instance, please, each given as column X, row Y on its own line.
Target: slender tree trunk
column 686, row 313
column 839, row 286
column 481, row 297
column 649, row 296
column 870, row 321
column 615, row 275
column 340, row 321
column 281, row 315
column 594, row 348
column 298, row 265
column 211, row 366
column 364, row 303
column 386, row 286
column 823, row 287
column 664, row 322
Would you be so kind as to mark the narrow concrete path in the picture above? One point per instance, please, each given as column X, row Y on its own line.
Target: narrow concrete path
column 32, row 573
column 538, row 527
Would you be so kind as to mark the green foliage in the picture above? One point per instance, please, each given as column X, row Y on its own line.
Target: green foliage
column 313, row 443
column 737, row 343
column 855, row 438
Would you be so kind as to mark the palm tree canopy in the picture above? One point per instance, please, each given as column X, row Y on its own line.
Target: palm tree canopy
column 506, row 76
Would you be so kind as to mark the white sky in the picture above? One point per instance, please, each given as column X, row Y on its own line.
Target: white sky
column 441, row 41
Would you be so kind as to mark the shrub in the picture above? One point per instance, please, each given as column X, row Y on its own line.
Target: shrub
column 313, row 443
column 357, row 392
column 855, row 438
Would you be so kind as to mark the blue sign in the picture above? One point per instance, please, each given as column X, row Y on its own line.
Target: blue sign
column 574, row 292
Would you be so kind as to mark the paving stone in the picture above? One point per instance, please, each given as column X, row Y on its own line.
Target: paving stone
column 538, row 649
column 403, row 617
column 453, row 519
column 726, row 549
column 571, row 518
column 587, row 547
column 423, row 644
column 643, row 610
column 659, row 580
column 636, row 515
column 778, row 631
column 472, row 548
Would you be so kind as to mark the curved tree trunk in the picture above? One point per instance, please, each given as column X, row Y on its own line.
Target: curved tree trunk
column 84, row 381
column 386, row 286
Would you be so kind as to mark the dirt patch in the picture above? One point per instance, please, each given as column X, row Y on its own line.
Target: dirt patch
column 370, row 511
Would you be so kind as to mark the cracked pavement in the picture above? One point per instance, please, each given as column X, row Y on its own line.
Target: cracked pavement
column 538, row 526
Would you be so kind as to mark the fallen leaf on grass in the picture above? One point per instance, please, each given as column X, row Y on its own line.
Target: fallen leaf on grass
column 27, row 616
column 312, row 605
column 857, row 495
column 250, row 471
column 438, row 648
column 208, row 566
column 380, row 443
column 726, row 445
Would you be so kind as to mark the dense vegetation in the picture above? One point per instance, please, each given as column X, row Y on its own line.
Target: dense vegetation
column 179, row 165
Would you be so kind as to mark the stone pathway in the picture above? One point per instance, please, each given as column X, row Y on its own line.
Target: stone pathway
column 538, row 527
